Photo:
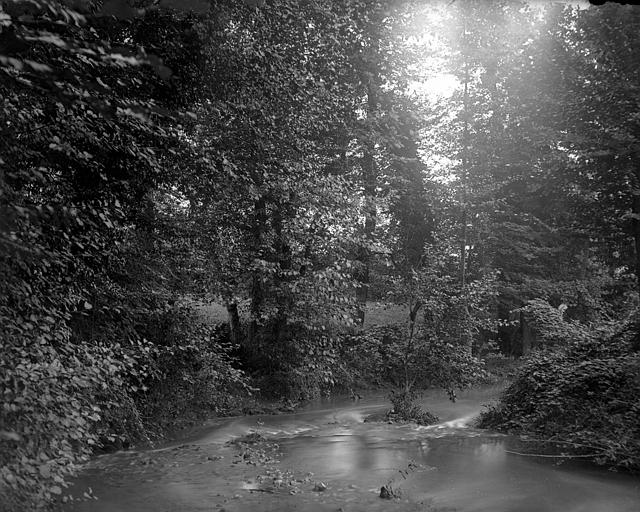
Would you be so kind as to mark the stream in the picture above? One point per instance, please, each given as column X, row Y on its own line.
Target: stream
column 449, row 467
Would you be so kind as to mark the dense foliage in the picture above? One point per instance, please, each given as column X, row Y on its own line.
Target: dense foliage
column 290, row 162
column 581, row 399
column 90, row 331
column 385, row 357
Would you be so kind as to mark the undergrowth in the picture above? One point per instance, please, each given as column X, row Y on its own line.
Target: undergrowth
column 582, row 399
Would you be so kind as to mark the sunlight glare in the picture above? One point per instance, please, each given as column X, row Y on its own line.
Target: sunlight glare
column 438, row 86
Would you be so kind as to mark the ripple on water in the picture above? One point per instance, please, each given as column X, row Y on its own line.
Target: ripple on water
column 461, row 468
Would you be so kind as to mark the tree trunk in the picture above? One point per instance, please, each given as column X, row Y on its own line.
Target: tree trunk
column 635, row 207
column 257, row 292
column 463, row 330
column 235, row 329
column 528, row 337
column 283, row 259
column 369, row 179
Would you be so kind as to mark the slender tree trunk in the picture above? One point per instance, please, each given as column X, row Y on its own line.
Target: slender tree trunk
column 463, row 332
column 148, row 223
column 414, row 307
column 636, row 230
column 6, row 220
column 465, row 169
column 527, row 335
column 257, row 292
column 463, row 249
column 369, row 179
column 283, row 259
column 235, row 329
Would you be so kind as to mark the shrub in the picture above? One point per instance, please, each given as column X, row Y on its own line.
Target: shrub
column 405, row 408
column 66, row 393
column 53, row 397
column 195, row 376
column 300, row 363
column 365, row 356
column 583, row 398
column 382, row 355
column 550, row 325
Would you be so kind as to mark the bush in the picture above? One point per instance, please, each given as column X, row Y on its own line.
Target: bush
column 380, row 355
column 406, row 409
column 52, row 402
column 194, row 376
column 299, row 364
column 583, row 398
column 447, row 365
column 365, row 357
column 66, row 393
column 500, row 367
column 550, row 325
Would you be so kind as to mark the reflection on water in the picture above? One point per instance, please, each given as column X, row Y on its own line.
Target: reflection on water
column 470, row 473
column 490, row 454
column 458, row 467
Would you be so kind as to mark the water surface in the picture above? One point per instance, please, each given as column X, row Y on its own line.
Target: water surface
column 449, row 466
